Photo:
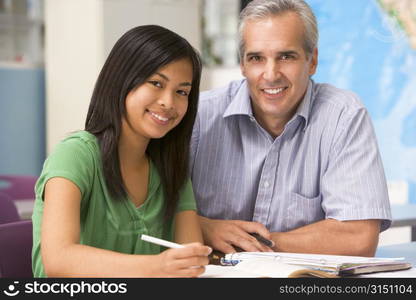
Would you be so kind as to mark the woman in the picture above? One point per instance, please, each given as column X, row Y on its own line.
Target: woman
column 126, row 174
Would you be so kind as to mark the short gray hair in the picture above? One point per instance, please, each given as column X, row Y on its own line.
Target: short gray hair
column 260, row 9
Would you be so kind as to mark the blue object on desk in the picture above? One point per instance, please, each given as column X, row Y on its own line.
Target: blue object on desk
column 406, row 250
column 404, row 215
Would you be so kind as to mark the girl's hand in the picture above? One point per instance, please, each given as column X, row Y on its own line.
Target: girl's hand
column 189, row 261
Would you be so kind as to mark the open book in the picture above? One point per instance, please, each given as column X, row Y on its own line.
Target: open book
column 279, row 264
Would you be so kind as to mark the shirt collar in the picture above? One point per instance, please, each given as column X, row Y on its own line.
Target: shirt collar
column 304, row 108
column 241, row 104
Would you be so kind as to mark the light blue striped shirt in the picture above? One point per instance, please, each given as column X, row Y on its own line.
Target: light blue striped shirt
column 325, row 164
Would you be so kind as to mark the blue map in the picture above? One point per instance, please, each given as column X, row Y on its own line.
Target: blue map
column 367, row 47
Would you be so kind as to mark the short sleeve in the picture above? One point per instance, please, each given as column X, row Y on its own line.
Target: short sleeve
column 187, row 198
column 72, row 159
column 194, row 144
column 354, row 185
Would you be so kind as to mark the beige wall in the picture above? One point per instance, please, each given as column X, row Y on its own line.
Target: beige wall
column 73, row 56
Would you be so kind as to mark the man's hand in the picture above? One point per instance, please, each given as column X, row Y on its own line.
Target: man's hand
column 225, row 235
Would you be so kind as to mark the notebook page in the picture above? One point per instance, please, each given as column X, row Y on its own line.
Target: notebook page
column 255, row 268
column 216, row 271
column 268, row 268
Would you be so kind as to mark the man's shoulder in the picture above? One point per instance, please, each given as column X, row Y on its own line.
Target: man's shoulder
column 342, row 99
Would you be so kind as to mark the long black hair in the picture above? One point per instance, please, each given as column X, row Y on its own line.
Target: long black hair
column 137, row 55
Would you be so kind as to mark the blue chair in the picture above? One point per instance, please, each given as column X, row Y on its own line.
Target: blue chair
column 21, row 190
column 18, row 186
column 8, row 210
column 16, row 249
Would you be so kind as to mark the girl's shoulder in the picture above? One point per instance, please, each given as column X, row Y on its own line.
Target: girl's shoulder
column 75, row 158
column 80, row 141
column 78, row 147
column 81, row 137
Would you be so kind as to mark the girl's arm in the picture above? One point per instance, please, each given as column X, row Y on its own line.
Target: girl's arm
column 187, row 227
column 62, row 255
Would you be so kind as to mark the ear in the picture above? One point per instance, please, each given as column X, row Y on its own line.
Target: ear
column 242, row 68
column 314, row 62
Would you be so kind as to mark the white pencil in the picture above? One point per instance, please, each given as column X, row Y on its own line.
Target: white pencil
column 160, row 242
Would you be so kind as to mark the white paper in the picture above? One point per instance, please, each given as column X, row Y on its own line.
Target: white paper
column 251, row 268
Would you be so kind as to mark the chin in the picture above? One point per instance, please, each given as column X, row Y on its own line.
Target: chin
column 156, row 136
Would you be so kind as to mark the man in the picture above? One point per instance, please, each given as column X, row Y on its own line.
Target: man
column 279, row 155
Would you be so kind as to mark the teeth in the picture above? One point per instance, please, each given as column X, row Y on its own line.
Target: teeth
column 274, row 91
column 159, row 117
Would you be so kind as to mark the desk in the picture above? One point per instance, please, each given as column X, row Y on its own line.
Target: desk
column 404, row 215
column 24, row 208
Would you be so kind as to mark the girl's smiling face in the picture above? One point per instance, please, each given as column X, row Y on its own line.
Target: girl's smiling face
column 160, row 103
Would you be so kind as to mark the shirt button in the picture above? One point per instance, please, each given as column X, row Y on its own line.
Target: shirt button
column 266, row 184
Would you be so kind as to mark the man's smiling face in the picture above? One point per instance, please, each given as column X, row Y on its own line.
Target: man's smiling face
column 276, row 67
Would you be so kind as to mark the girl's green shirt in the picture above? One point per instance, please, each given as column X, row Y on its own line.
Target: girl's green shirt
column 104, row 222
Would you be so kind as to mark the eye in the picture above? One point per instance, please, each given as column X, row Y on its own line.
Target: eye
column 182, row 92
column 155, row 83
column 254, row 58
column 286, row 57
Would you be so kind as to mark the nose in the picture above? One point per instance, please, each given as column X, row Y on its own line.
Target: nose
column 167, row 100
column 271, row 71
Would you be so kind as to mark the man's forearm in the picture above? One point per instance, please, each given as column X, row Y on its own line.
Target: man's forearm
column 331, row 237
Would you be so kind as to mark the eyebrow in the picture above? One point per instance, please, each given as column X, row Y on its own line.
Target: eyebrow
column 253, row 53
column 288, row 52
column 167, row 79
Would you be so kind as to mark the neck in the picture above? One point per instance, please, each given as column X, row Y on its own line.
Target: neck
column 273, row 127
column 132, row 152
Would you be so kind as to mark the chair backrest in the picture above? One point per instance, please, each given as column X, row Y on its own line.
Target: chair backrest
column 18, row 186
column 16, row 249
column 8, row 210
